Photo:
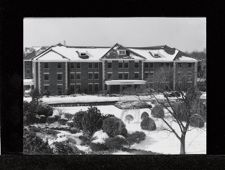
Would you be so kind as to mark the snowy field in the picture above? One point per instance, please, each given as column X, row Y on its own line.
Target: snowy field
column 91, row 98
column 160, row 140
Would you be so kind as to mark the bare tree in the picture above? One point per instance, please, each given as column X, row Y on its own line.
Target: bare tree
column 182, row 109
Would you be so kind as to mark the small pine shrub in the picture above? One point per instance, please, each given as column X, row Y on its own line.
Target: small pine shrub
column 85, row 140
column 157, row 111
column 92, row 120
column 144, row 115
column 77, row 119
column 114, row 126
column 148, row 124
column 68, row 116
column 116, row 142
column 66, row 148
column 135, row 137
column 51, row 119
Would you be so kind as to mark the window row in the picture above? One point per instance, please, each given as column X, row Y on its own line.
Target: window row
column 59, row 76
column 93, row 76
column 73, row 65
column 122, row 75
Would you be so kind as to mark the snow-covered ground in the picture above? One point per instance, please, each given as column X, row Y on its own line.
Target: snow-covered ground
column 91, row 98
column 160, row 140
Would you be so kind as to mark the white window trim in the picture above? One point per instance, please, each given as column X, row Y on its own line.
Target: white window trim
column 59, row 84
column 72, row 84
column 46, row 85
column 124, row 52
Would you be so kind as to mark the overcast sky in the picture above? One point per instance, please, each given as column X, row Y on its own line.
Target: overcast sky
column 186, row 34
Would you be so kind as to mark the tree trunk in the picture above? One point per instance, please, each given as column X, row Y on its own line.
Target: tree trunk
column 182, row 145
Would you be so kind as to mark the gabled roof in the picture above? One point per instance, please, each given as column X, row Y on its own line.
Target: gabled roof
column 116, row 46
column 61, row 52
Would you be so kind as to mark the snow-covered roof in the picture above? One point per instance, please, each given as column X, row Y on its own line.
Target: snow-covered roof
column 67, row 53
column 156, row 55
column 72, row 53
column 124, row 82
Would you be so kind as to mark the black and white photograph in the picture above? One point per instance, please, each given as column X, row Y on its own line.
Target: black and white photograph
column 114, row 86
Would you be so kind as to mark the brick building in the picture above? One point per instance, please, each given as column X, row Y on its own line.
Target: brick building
column 61, row 69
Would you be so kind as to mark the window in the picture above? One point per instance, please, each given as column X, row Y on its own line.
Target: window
column 72, row 76
column 126, row 76
column 78, row 87
column 120, row 75
column 59, row 76
column 90, row 77
column 89, row 65
column 151, row 65
column 179, row 65
column 96, row 76
column 151, row 73
column 136, row 64
column 109, row 75
column 46, row 87
column 45, row 65
column 96, row 87
column 146, row 75
column 161, row 64
column 28, row 71
column 109, row 65
column 96, row 65
column 72, row 88
column 136, row 75
column 46, row 77
column 167, row 64
column 125, row 64
column 146, row 65
column 72, row 65
column 78, row 65
column 120, row 64
column 90, row 87
column 122, row 52
column 59, row 89
column 189, row 64
column 59, row 65
column 77, row 75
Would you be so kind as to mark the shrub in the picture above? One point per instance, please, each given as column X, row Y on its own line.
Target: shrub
column 148, row 124
column 107, row 116
column 70, row 123
column 42, row 119
column 73, row 130
column 32, row 144
column 144, row 115
column 66, row 148
column 98, row 146
column 68, row 116
column 51, row 119
column 62, row 121
column 114, row 126
column 33, row 110
column 92, row 120
column 129, row 118
column 157, row 111
column 116, row 142
column 197, row 121
column 77, row 119
column 135, row 137
column 51, row 132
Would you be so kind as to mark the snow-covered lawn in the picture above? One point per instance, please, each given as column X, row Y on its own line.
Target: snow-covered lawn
column 159, row 141
column 91, row 98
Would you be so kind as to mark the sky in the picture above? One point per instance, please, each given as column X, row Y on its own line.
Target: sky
column 185, row 34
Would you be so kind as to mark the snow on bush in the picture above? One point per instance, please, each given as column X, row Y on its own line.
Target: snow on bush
column 144, row 115
column 136, row 137
column 99, row 137
column 116, row 142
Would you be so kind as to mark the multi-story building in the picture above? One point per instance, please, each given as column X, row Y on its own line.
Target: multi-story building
column 61, row 69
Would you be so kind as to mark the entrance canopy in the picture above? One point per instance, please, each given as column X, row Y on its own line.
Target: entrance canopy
column 124, row 82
